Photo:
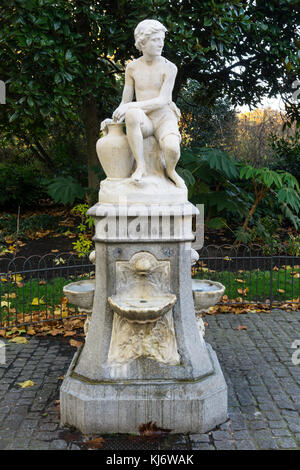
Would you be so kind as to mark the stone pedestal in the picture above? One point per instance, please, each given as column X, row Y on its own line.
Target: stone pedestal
column 149, row 368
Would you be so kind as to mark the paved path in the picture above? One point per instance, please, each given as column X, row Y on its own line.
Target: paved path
column 263, row 383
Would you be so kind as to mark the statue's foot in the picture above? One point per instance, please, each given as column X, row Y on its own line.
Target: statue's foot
column 138, row 174
column 179, row 182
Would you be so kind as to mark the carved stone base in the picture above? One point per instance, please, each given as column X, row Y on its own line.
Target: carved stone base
column 155, row 188
column 155, row 340
column 182, row 406
column 185, row 392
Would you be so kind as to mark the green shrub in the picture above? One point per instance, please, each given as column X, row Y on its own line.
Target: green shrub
column 64, row 189
column 20, row 186
column 286, row 154
column 83, row 245
column 8, row 224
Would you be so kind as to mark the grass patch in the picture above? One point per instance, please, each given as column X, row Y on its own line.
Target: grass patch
column 33, row 297
column 255, row 285
column 36, row 297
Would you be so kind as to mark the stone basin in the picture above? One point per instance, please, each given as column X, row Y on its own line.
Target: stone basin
column 142, row 310
column 206, row 293
column 81, row 293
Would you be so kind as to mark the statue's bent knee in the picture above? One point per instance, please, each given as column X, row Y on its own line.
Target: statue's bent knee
column 133, row 116
column 171, row 145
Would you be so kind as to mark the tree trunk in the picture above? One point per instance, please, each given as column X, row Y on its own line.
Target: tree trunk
column 43, row 157
column 91, row 125
column 258, row 198
column 46, row 156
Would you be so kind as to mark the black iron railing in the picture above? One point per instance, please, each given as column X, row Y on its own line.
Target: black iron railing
column 251, row 275
column 31, row 290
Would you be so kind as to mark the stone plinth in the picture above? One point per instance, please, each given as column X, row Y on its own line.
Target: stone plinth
column 156, row 369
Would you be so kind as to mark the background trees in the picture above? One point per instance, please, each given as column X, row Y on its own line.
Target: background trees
column 63, row 61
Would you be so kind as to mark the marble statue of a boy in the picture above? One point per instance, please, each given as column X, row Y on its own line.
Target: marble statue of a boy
column 151, row 79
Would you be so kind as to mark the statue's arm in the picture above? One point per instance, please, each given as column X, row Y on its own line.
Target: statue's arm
column 127, row 96
column 128, row 91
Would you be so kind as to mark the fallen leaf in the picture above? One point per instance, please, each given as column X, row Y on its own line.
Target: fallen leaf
column 19, row 340
column 151, row 430
column 70, row 333
column 20, row 243
column 37, row 301
column 75, row 343
column 64, row 300
column 94, row 443
column 31, row 331
column 8, row 239
column 212, row 310
column 242, row 327
column 27, row 383
column 15, row 331
column 68, row 233
column 10, row 296
column 17, row 277
column 243, row 291
column 54, row 332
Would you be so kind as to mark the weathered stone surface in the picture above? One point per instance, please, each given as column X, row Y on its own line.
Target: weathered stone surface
column 182, row 407
column 228, row 344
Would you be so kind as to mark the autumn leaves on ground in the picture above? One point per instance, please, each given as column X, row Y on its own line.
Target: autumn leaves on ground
column 37, row 306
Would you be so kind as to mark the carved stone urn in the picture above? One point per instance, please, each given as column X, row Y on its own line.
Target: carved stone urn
column 114, row 152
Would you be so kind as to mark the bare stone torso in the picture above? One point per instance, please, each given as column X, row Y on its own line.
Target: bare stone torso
column 148, row 79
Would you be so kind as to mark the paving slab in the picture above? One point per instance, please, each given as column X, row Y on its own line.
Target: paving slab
column 263, row 388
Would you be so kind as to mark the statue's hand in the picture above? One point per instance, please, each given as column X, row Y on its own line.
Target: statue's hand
column 119, row 113
column 103, row 125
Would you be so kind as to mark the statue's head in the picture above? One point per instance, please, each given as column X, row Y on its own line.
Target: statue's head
column 150, row 30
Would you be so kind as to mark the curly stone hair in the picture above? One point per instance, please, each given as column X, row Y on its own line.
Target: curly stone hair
column 144, row 30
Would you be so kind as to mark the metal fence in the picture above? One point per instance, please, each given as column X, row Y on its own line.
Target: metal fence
column 31, row 290
column 251, row 275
